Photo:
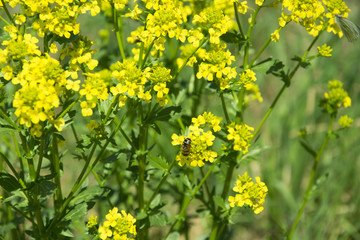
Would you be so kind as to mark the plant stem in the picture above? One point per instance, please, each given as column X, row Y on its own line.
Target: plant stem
column 238, row 20
column 188, row 200
column 118, row 32
column 82, row 178
column 224, row 108
column 247, row 45
column 8, row 13
column 187, row 59
column 312, row 178
column 160, row 184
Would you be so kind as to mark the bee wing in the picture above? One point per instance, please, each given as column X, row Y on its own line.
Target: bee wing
column 350, row 29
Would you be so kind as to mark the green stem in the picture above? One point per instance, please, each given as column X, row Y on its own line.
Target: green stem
column 247, row 45
column 41, row 156
column 147, row 54
column 118, row 32
column 7, row 119
column 187, row 202
column 8, row 13
column 167, row 173
column 68, row 108
column 312, row 178
column 10, row 165
column 290, row 76
column 238, row 20
column 269, row 110
column 260, row 51
column 142, row 166
column 187, row 59
column 56, row 168
column 82, row 178
column 224, row 108
column 207, row 190
column 38, row 215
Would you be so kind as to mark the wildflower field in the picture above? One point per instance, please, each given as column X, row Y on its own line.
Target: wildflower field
column 192, row 120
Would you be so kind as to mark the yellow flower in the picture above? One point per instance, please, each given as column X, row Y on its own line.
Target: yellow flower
column 249, row 193
column 275, row 36
column 201, row 140
column 336, row 98
column 325, row 50
column 345, row 121
column 241, row 135
column 118, row 225
column 92, row 225
column 216, row 66
column 214, row 22
column 42, row 82
column 243, row 7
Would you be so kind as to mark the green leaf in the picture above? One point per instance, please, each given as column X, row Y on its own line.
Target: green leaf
column 141, row 216
column 264, row 66
column 16, row 195
column 219, row 201
column 232, row 37
column 77, row 212
column 308, row 148
column 7, row 129
column 303, row 64
column 156, row 201
column 90, row 194
column 159, row 162
column 173, row 236
column 185, row 180
column 165, row 113
column 157, row 220
column 44, row 189
column 276, row 68
column 156, row 128
column 9, row 182
column 67, row 233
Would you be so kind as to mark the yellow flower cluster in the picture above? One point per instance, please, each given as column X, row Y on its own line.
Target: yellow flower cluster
column 95, row 87
column 158, row 76
column 118, row 226
column 99, row 129
column 214, row 22
column 241, row 135
column 42, row 81
column 252, row 93
column 80, row 53
column 55, row 16
column 216, row 63
column 133, row 81
column 186, row 51
column 92, row 225
column 200, row 141
column 18, row 48
column 242, row 7
column 307, row 13
column 165, row 21
column 325, row 50
column 336, row 98
column 335, row 7
column 345, row 121
column 247, row 77
column 311, row 13
column 249, row 193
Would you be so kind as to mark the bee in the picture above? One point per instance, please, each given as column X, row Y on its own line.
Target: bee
column 186, row 146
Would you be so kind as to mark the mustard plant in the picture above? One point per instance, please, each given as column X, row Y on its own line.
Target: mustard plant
column 121, row 138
